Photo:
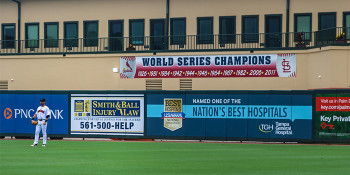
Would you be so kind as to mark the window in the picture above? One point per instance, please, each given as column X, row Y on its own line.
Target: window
column 346, row 25
column 326, row 21
column 137, row 31
column 326, row 26
column 116, row 33
column 302, row 24
column 51, row 34
column 8, row 36
column 250, row 29
column 32, row 35
column 227, row 29
column 178, row 30
column 90, row 33
column 71, row 34
column 205, row 30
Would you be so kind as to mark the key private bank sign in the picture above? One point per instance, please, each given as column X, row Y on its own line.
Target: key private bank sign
column 18, row 109
column 262, row 65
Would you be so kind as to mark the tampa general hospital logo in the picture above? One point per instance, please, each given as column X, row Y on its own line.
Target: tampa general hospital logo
column 7, row 113
column 265, row 127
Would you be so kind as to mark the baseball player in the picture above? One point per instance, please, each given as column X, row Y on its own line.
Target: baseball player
column 43, row 115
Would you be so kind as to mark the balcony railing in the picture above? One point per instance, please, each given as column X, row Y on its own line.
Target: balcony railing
column 260, row 41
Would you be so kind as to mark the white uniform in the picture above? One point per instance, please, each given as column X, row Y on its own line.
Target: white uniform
column 41, row 114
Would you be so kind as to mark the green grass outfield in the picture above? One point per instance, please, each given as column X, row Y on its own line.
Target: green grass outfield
column 122, row 158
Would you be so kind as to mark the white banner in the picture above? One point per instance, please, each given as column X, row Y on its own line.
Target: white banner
column 104, row 114
column 209, row 66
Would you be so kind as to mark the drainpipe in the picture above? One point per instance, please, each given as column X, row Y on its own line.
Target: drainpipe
column 167, row 21
column 18, row 26
column 287, row 23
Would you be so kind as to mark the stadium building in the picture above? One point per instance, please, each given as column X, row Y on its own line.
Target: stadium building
column 174, row 44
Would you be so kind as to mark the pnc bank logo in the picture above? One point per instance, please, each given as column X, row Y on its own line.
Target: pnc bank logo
column 7, row 113
column 265, row 128
column 29, row 113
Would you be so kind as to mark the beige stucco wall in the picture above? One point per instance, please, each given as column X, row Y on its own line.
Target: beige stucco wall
column 103, row 10
column 94, row 72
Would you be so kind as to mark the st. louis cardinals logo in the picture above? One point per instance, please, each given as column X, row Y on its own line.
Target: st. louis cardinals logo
column 286, row 66
column 128, row 67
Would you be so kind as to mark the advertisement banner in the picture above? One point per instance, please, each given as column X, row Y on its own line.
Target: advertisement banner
column 230, row 115
column 18, row 109
column 107, row 114
column 332, row 116
column 264, row 65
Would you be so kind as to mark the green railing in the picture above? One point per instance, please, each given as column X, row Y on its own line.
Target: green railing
column 254, row 41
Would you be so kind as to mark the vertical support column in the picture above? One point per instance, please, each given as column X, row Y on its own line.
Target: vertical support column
column 167, row 22
column 287, row 24
column 18, row 26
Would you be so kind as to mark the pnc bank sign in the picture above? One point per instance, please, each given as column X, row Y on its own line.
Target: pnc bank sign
column 29, row 113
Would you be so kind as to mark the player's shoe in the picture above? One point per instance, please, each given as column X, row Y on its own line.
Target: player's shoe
column 34, row 145
column 44, row 145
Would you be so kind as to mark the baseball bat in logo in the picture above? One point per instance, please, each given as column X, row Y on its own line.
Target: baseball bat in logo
column 127, row 67
column 8, row 113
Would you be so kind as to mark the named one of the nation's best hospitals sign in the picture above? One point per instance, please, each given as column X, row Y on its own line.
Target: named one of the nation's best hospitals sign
column 262, row 65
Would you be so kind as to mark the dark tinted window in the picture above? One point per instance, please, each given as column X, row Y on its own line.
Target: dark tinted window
column 116, row 33
column 227, row 29
column 327, row 21
column 8, row 36
column 205, row 30
column 90, row 33
column 250, row 29
column 32, row 35
column 178, row 31
column 71, row 34
column 137, row 32
column 326, row 26
column 51, row 34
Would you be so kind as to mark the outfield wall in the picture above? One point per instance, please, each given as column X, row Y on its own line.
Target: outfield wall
column 19, row 107
column 302, row 116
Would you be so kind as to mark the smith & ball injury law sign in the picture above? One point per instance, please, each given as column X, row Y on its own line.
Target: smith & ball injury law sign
column 207, row 66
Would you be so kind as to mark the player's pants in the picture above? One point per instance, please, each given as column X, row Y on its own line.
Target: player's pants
column 40, row 126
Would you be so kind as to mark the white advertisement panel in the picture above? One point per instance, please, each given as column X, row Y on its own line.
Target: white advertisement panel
column 107, row 114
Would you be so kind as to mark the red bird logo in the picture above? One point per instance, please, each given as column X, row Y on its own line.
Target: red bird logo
column 128, row 68
column 127, row 64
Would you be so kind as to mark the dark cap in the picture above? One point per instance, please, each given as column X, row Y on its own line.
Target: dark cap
column 42, row 100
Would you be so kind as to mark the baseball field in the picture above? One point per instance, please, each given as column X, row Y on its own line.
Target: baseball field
column 99, row 157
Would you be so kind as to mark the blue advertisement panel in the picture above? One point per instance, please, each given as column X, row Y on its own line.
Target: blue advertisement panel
column 18, row 109
column 243, row 116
